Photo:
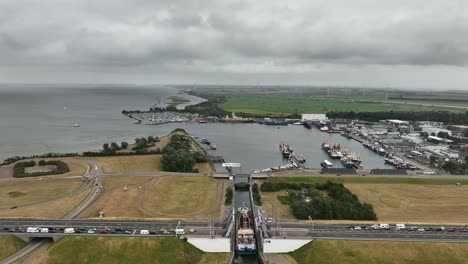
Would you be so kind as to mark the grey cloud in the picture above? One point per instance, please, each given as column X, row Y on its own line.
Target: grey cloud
column 233, row 37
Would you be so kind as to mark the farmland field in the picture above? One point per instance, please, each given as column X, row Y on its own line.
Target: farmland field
column 415, row 203
column 263, row 104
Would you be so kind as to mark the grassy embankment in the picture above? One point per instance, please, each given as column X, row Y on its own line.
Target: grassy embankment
column 9, row 245
column 380, row 252
column 284, row 105
column 103, row 250
column 394, row 199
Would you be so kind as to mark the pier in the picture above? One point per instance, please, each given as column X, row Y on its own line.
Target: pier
column 216, row 159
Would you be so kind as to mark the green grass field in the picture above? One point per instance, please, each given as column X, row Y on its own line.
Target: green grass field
column 128, row 250
column 273, row 104
column 366, row 179
column 9, row 245
column 380, row 252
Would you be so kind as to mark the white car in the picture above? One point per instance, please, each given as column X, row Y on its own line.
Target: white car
column 421, row 230
column 92, row 231
column 357, row 228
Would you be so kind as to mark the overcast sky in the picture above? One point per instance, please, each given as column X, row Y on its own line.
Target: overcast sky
column 395, row 43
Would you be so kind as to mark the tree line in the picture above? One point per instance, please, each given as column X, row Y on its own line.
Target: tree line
column 14, row 159
column 328, row 200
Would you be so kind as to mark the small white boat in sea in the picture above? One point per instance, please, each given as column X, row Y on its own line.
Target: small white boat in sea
column 76, row 125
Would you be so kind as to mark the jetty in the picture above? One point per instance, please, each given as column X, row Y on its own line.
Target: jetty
column 216, row 159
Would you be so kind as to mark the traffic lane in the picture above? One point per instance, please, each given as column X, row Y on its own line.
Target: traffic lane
column 58, row 222
column 396, row 236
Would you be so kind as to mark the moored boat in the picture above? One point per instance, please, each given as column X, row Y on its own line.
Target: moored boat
column 347, row 162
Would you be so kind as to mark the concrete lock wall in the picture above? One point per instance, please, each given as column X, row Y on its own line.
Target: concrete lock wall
column 279, row 245
column 215, row 245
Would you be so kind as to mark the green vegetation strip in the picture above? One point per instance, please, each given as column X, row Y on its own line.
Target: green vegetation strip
column 9, row 245
column 380, row 252
column 262, row 104
column 124, row 250
column 365, row 179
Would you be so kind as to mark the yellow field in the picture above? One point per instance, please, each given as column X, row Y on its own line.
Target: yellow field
column 55, row 209
column 181, row 195
column 284, row 210
column 380, row 252
column 415, row 203
column 125, row 164
column 10, row 245
column 18, row 192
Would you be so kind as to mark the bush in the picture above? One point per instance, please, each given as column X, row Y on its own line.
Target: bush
column 20, row 167
column 228, row 198
column 340, row 203
column 177, row 155
column 256, row 195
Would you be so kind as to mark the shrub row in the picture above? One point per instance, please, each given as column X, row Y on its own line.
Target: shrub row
column 19, row 170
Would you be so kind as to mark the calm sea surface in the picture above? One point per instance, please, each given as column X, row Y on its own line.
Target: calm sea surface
column 36, row 120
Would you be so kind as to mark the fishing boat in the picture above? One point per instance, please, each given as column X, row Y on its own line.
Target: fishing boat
column 76, row 125
column 285, row 150
column 326, row 164
column 381, row 151
column 326, row 145
column 245, row 239
column 324, row 129
column 347, row 162
column 213, row 147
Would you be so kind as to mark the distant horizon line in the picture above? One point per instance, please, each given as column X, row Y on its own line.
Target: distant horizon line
column 207, row 85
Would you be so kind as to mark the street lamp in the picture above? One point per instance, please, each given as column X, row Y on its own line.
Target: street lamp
column 312, row 222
